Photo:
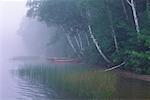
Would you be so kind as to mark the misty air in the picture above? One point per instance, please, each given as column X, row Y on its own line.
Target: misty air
column 74, row 49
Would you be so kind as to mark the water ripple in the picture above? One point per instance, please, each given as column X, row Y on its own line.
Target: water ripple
column 34, row 90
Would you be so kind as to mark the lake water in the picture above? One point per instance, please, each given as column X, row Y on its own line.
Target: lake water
column 14, row 87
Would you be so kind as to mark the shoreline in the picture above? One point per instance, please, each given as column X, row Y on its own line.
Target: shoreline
column 123, row 73
column 131, row 75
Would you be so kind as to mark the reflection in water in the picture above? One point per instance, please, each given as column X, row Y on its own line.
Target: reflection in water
column 132, row 88
column 37, row 87
column 8, row 84
column 11, row 44
column 14, row 87
column 35, row 90
column 19, row 87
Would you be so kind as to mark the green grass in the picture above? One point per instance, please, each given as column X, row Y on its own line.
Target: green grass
column 76, row 80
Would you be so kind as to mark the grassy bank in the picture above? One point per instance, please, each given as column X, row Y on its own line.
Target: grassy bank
column 77, row 81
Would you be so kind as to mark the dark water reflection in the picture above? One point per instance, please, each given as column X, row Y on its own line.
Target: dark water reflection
column 17, row 87
column 132, row 88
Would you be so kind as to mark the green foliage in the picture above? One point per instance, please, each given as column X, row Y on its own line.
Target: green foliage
column 148, row 9
column 78, row 14
column 140, row 61
column 145, row 37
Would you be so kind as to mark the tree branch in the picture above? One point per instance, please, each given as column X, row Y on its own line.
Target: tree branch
column 129, row 2
column 109, row 69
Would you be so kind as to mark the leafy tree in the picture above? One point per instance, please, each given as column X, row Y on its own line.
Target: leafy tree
column 113, row 31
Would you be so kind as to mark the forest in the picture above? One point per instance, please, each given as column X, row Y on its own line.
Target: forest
column 100, row 32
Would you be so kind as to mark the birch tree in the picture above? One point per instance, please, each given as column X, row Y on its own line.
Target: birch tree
column 98, row 47
column 80, row 41
column 132, row 5
column 70, row 41
column 125, row 10
column 112, row 26
column 87, row 39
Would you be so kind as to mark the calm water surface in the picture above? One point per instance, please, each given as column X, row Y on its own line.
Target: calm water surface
column 13, row 87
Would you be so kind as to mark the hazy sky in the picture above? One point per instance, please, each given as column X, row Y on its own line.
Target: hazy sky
column 11, row 13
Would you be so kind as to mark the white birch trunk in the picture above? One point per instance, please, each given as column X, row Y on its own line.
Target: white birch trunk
column 116, row 43
column 97, row 45
column 81, row 44
column 125, row 10
column 131, row 3
column 112, row 28
column 80, row 41
column 87, row 39
column 77, row 42
column 71, row 44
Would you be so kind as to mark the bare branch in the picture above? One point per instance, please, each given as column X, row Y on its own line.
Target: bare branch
column 129, row 2
column 109, row 69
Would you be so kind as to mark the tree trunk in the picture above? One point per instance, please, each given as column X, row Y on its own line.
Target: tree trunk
column 112, row 27
column 94, row 40
column 131, row 3
column 77, row 42
column 125, row 10
column 87, row 39
column 71, row 44
column 97, row 45
column 80, row 41
column 70, row 41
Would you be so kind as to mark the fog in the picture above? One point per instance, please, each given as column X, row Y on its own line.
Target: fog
column 11, row 13
column 53, row 49
column 21, row 36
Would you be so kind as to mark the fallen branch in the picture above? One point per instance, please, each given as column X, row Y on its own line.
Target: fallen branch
column 109, row 69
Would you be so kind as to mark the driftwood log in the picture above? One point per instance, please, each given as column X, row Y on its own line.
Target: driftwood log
column 112, row 68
